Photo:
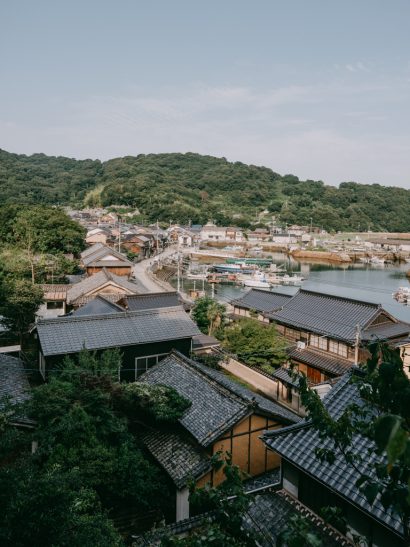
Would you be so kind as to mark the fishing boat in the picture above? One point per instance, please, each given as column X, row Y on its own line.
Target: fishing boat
column 234, row 268
column 250, row 260
column 402, row 295
column 257, row 280
column 292, row 279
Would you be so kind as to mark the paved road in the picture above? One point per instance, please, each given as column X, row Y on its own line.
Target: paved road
column 144, row 280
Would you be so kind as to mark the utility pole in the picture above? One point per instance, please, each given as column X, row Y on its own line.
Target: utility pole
column 213, row 290
column 119, row 234
column 157, row 237
column 178, row 273
column 356, row 345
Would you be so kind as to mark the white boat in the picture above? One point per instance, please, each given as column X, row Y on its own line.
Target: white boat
column 292, row 279
column 257, row 280
column 402, row 295
column 200, row 276
column 375, row 260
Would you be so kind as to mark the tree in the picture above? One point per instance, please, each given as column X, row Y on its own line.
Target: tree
column 88, row 464
column 209, row 315
column 256, row 343
column 384, row 419
column 19, row 304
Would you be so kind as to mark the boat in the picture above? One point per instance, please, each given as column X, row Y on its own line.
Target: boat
column 292, row 279
column 199, row 275
column 402, row 295
column 250, row 260
column 258, row 281
column 377, row 261
column 234, row 268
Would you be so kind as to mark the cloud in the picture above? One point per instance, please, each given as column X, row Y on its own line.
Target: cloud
column 298, row 129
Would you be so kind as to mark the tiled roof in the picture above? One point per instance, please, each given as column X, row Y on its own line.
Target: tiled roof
column 152, row 300
column 109, row 264
column 298, row 443
column 269, row 513
column 386, row 331
column 98, row 306
column 96, row 254
column 96, row 281
column 204, row 341
column 177, row 455
column 324, row 361
column 13, row 380
column 217, row 403
column 326, row 314
column 70, row 334
column 55, row 292
column 262, row 301
column 91, row 250
column 283, row 375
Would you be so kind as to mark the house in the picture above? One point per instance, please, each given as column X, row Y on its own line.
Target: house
column 109, row 285
column 258, row 302
column 100, row 256
column 317, row 484
column 258, row 236
column 330, row 333
column 97, row 235
column 234, row 234
column 54, row 300
column 144, row 337
column 211, row 232
column 223, row 416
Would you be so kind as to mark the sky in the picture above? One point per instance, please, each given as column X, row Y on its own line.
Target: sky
column 318, row 88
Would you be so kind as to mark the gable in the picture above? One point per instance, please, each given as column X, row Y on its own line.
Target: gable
column 381, row 319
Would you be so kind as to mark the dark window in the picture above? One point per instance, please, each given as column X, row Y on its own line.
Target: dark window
column 55, row 305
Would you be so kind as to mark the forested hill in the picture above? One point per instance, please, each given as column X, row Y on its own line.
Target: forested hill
column 182, row 187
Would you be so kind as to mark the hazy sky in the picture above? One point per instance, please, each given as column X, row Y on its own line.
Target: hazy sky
column 317, row 88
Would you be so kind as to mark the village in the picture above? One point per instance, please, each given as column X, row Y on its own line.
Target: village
column 253, row 412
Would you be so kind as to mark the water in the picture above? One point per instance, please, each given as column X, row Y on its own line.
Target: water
column 358, row 281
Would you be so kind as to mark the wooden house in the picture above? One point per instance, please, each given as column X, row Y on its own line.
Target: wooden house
column 223, row 416
column 318, row 484
column 144, row 337
column 97, row 235
column 100, row 256
column 330, row 333
column 111, row 286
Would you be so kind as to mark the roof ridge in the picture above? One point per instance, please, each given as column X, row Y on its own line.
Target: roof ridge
column 339, row 297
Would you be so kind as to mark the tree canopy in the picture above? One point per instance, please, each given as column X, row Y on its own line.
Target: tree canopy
column 88, row 465
column 183, row 187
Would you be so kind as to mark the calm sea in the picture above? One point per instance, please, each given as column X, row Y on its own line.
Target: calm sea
column 361, row 282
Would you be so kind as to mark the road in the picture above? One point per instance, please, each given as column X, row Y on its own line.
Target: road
column 146, row 281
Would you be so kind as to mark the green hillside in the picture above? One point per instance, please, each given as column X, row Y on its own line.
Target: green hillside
column 182, row 187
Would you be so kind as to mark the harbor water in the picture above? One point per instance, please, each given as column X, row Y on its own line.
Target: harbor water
column 358, row 281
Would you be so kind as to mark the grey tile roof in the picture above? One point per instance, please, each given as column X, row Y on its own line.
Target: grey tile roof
column 96, row 254
column 152, row 300
column 299, row 442
column 70, row 334
column 180, row 458
column 97, row 281
column 218, row 403
column 13, row 380
column 268, row 515
column 98, row 306
column 326, row 314
column 109, row 264
column 386, row 331
column 91, row 250
column 331, row 364
column 204, row 341
column 283, row 375
column 261, row 301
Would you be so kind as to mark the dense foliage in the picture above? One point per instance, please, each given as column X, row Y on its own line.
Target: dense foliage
column 88, row 466
column 209, row 315
column 183, row 187
column 256, row 343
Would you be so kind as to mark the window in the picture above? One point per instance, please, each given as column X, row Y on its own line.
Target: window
column 142, row 364
column 54, row 305
column 322, row 343
column 343, row 350
column 314, row 340
column 333, row 346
